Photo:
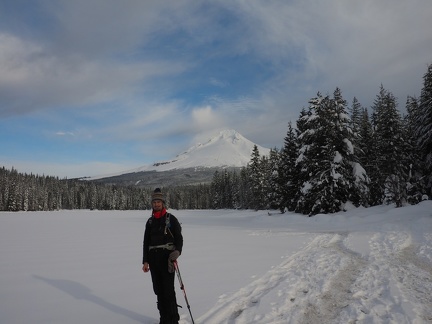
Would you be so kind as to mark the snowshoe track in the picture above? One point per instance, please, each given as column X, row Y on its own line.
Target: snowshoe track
column 411, row 273
column 338, row 292
column 326, row 282
column 304, row 303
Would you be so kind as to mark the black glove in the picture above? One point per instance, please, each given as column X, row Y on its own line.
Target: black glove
column 171, row 258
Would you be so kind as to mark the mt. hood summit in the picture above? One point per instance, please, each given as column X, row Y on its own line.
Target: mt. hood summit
column 227, row 149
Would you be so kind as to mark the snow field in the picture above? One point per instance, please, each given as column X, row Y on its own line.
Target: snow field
column 364, row 266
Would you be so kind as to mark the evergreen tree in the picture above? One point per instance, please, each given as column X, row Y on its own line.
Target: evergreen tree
column 368, row 157
column 256, row 176
column 12, row 204
column 423, row 126
column 310, row 154
column 288, row 172
column 356, row 112
column 227, row 194
column 304, row 129
column 327, row 157
column 346, row 143
column 216, row 191
column 272, row 189
column 392, row 160
column 302, row 121
column 236, row 191
column 245, row 191
column 415, row 185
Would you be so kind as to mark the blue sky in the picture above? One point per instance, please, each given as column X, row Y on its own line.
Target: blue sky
column 91, row 87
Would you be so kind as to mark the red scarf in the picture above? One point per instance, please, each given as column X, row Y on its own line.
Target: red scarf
column 159, row 214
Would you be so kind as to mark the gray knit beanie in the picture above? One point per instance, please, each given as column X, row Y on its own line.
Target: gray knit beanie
column 157, row 195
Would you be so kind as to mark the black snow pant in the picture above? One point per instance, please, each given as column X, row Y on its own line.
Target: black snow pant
column 163, row 286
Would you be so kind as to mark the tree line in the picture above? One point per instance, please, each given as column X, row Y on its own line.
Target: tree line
column 337, row 154
column 29, row 192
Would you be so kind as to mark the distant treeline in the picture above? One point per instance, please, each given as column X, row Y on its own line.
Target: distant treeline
column 336, row 155
column 28, row 192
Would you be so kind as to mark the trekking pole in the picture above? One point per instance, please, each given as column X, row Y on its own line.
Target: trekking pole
column 182, row 288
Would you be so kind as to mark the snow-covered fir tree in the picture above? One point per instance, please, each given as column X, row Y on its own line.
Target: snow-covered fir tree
column 256, row 178
column 288, row 172
column 368, row 157
column 356, row 111
column 353, row 176
column 415, row 185
column 309, row 153
column 245, row 191
column 228, row 195
column 392, row 159
column 272, row 189
column 326, row 158
column 217, row 191
column 423, row 125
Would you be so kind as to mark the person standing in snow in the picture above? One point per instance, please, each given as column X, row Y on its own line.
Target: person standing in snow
column 163, row 243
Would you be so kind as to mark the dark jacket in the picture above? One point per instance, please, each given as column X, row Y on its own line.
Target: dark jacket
column 157, row 232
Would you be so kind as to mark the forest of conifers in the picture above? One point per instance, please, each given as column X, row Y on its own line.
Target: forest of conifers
column 337, row 154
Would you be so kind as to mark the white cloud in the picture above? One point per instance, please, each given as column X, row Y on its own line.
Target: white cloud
column 34, row 78
column 14, row 53
column 353, row 45
column 144, row 121
column 218, row 83
column 61, row 133
column 205, row 118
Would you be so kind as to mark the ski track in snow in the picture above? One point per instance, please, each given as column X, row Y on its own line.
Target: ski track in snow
column 410, row 273
column 327, row 282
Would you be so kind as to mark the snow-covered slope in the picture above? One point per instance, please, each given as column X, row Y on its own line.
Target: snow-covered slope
column 227, row 149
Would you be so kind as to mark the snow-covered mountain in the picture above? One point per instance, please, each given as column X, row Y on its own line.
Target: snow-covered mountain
column 227, row 149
